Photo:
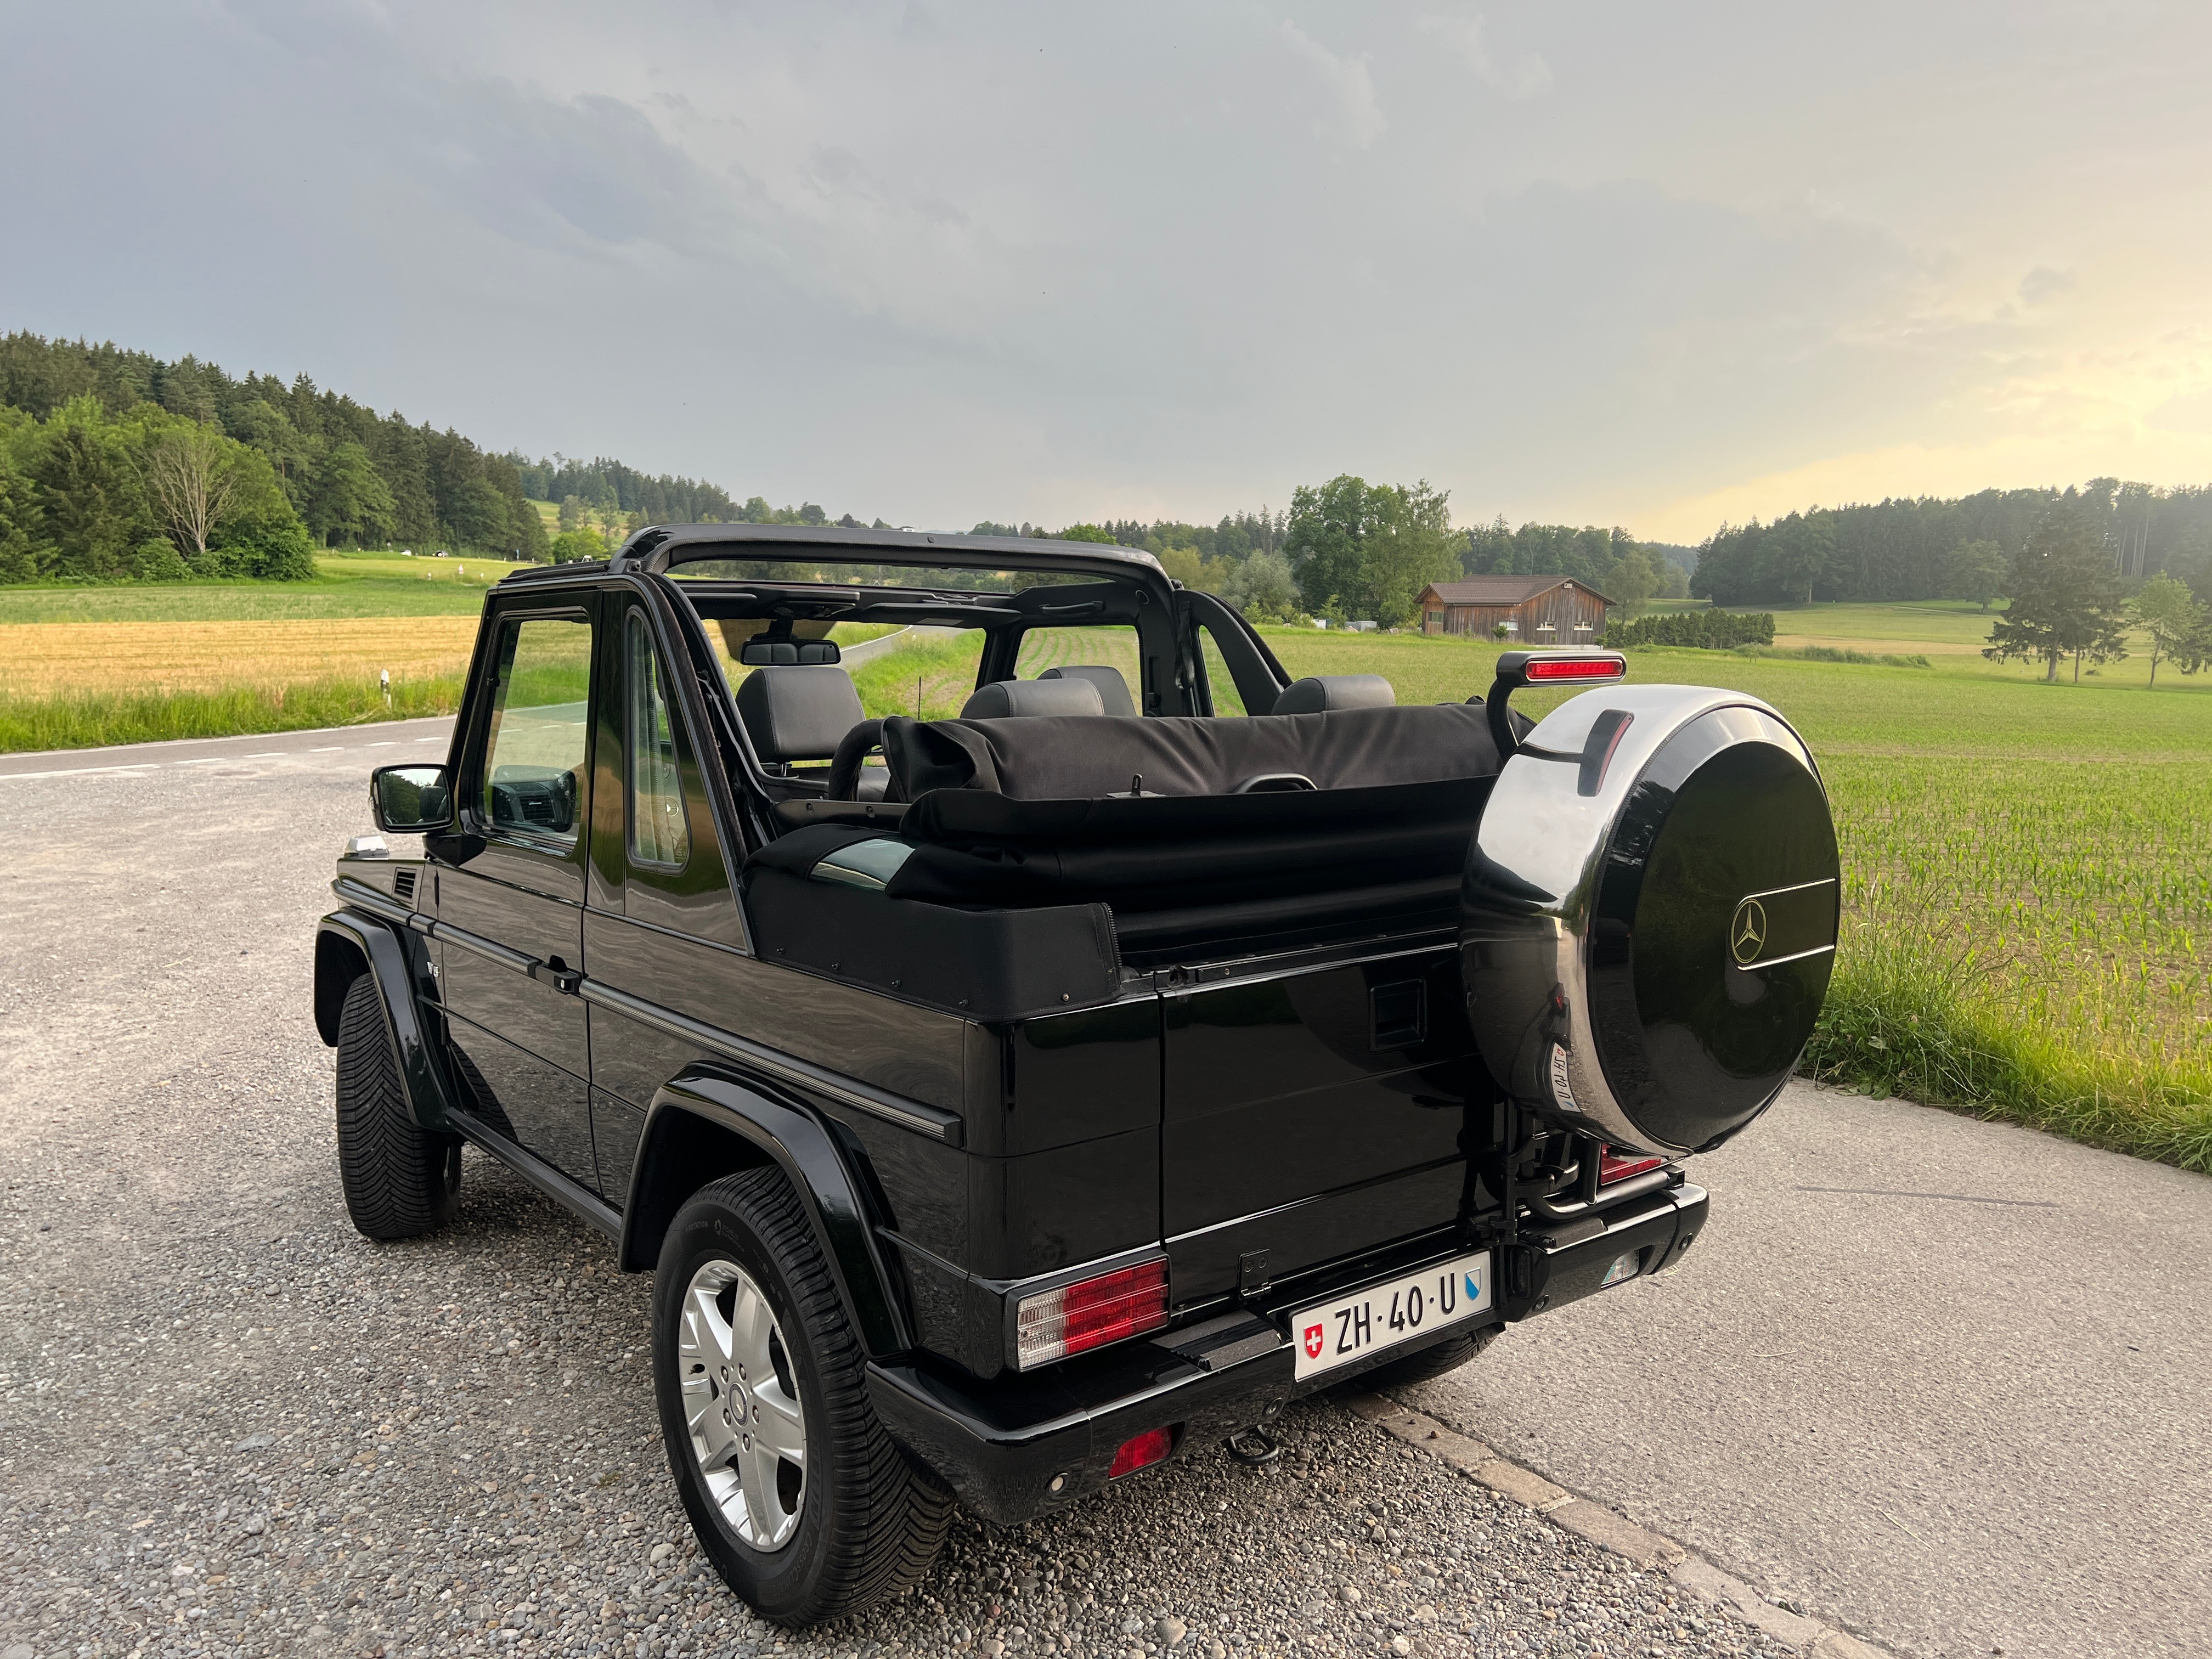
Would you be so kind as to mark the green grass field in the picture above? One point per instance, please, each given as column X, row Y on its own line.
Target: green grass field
column 1955, row 630
column 346, row 585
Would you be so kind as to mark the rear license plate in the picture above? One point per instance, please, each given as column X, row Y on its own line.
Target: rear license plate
column 1382, row 1315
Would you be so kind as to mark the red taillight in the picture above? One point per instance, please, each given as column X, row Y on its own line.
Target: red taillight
column 1564, row 669
column 1075, row 1318
column 1614, row 1166
column 1146, row 1449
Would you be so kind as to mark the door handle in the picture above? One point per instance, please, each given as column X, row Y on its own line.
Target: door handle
column 567, row 981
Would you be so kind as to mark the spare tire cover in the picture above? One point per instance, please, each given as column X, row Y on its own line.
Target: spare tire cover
column 1649, row 914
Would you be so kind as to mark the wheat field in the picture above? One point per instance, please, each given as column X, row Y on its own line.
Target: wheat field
column 49, row 659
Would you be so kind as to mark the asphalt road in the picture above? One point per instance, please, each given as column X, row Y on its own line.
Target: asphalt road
column 1946, row 1383
column 351, row 750
column 231, row 1426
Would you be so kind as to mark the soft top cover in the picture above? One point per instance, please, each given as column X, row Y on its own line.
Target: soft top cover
column 971, row 847
column 1063, row 759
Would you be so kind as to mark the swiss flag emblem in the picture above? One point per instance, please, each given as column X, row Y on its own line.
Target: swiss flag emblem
column 1313, row 1341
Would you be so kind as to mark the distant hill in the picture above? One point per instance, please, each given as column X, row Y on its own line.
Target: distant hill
column 355, row 478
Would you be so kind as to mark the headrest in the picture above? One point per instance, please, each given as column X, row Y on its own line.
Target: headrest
column 1006, row 699
column 775, row 654
column 1113, row 690
column 1325, row 692
column 797, row 711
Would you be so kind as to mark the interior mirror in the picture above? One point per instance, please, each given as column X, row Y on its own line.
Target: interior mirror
column 409, row 801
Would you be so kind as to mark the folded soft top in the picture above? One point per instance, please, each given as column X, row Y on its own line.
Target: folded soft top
column 1037, row 816
column 1080, row 757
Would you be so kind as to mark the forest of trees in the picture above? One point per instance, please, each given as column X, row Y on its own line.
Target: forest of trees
column 350, row 476
column 1349, row 550
column 602, row 483
column 77, row 502
column 117, row 465
column 1932, row 549
column 143, row 495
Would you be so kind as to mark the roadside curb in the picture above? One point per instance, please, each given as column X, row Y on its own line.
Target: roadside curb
column 1600, row 1525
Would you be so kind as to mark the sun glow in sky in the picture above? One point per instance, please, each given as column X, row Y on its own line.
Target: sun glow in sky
column 1588, row 260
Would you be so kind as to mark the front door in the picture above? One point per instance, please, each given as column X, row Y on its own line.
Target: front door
column 662, row 920
column 526, row 779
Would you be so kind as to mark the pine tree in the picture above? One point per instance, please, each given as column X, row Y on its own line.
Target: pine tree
column 2066, row 596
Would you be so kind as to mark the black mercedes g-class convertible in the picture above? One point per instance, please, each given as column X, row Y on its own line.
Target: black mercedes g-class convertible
column 1004, row 1103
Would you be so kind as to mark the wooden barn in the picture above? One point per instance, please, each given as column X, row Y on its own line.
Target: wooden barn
column 1532, row 610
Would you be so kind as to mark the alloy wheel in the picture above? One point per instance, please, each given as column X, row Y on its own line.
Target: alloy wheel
column 748, row 1429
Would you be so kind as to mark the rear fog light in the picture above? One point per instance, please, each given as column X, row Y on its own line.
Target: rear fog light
column 1146, row 1449
column 1090, row 1314
column 1614, row 1166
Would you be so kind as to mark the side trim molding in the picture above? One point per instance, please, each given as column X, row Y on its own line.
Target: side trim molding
column 362, row 896
column 931, row 1121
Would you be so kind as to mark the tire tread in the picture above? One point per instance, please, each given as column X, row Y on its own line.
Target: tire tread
column 892, row 1514
column 394, row 1171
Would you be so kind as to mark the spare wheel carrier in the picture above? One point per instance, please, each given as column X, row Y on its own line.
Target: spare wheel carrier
column 1650, row 913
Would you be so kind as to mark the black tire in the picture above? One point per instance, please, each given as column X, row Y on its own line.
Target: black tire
column 1428, row 1365
column 871, row 1522
column 400, row 1179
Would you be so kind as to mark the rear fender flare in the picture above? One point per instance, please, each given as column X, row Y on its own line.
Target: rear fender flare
column 349, row 944
column 710, row 1120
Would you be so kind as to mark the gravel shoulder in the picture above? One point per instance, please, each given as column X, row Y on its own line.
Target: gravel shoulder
column 229, row 1425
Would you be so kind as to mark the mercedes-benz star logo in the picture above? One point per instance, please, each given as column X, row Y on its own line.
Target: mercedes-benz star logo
column 1747, row 932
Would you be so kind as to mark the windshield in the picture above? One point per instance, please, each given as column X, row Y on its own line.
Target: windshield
column 834, row 573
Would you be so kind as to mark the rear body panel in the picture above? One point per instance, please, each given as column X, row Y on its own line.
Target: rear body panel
column 1313, row 1113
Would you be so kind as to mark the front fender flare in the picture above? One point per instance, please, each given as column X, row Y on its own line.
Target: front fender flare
column 711, row 1096
column 349, row 943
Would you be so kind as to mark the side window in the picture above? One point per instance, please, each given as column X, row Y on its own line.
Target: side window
column 657, row 831
column 1111, row 647
column 1218, row 682
column 533, row 772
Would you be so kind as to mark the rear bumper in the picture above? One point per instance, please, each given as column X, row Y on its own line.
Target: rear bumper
column 1024, row 1445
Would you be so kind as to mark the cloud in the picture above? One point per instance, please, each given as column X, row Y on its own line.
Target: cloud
column 2189, row 412
column 1358, row 114
column 582, row 173
column 1528, row 77
column 948, row 264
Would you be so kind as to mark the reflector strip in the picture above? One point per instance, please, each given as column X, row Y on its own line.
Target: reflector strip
column 1141, row 1453
column 1614, row 1166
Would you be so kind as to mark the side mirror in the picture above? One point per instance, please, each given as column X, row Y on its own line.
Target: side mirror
column 411, row 800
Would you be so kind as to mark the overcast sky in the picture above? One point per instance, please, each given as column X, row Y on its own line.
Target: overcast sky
column 1610, row 261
